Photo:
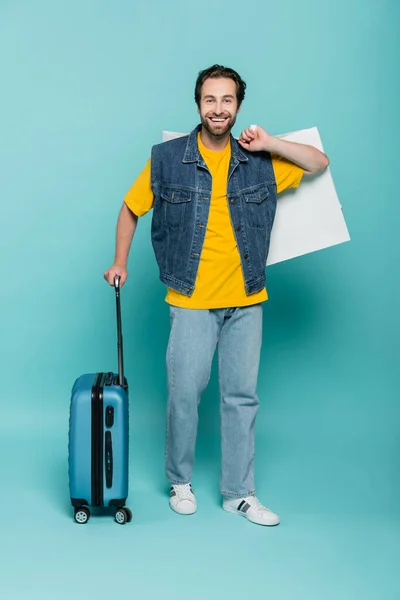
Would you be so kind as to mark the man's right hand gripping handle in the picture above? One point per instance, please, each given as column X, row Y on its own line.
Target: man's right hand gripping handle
column 114, row 270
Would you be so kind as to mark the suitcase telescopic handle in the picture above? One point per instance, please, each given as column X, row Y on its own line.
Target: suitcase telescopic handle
column 121, row 380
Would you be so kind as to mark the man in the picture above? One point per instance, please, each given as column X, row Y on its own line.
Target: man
column 214, row 201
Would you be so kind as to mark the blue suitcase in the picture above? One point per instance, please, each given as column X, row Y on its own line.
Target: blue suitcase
column 99, row 439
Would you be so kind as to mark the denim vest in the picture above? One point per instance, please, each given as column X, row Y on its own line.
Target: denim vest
column 181, row 184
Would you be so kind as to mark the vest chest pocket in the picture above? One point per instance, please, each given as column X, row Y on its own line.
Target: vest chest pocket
column 257, row 207
column 176, row 206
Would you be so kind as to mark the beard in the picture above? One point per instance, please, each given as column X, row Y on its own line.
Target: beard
column 218, row 130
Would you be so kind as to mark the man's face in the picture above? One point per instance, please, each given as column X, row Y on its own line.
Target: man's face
column 218, row 106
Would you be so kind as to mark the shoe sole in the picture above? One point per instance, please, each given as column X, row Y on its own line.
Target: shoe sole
column 184, row 514
column 233, row 511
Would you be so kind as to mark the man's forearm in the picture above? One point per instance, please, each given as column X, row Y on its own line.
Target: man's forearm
column 126, row 227
column 307, row 157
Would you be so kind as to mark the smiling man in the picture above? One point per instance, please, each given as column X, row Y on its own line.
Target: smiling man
column 214, row 202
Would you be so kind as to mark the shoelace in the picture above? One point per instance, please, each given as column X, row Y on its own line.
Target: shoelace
column 255, row 503
column 183, row 491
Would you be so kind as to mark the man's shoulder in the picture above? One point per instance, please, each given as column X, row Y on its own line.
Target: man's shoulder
column 171, row 145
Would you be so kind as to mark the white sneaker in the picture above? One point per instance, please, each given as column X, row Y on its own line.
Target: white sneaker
column 251, row 508
column 182, row 500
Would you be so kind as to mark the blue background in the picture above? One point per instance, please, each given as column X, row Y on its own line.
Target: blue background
column 87, row 88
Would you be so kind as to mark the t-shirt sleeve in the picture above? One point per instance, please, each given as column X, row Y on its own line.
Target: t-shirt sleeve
column 287, row 174
column 140, row 197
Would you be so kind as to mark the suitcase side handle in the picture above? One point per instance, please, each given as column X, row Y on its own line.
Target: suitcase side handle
column 121, row 379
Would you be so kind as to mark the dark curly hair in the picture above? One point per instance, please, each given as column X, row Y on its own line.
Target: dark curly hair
column 215, row 72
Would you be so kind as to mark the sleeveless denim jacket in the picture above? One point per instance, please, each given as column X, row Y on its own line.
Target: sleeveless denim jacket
column 181, row 184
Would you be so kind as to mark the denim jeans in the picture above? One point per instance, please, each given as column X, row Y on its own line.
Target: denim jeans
column 194, row 337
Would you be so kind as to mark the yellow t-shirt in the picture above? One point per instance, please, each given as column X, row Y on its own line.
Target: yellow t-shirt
column 219, row 282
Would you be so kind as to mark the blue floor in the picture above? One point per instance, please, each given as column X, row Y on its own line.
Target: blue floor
column 332, row 555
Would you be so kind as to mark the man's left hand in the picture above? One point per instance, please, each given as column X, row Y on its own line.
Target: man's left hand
column 255, row 139
column 310, row 159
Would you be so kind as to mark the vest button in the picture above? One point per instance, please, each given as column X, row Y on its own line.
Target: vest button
column 233, row 201
column 238, row 228
column 246, row 256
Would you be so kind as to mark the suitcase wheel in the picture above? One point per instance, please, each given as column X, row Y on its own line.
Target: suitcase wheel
column 82, row 515
column 123, row 515
column 129, row 513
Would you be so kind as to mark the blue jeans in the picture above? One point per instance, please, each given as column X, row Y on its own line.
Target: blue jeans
column 194, row 336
